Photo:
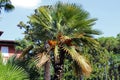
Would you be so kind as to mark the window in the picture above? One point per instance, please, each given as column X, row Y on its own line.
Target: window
column 4, row 51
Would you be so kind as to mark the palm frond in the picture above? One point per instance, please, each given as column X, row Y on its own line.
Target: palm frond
column 86, row 41
column 1, row 58
column 56, row 53
column 12, row 72
column 26, row 51
column 77, row 70
column 41, row 59
column 45, row 13
column 12, row 60
column 43, row 18
column 8, row 7
column 79, row 59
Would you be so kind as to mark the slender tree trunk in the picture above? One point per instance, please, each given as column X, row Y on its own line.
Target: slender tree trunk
column 81, row 77
column 110, row 73
column 115, row 74
column 47, row 65
column 106, row 78
column 119, row 72
column 47, row 71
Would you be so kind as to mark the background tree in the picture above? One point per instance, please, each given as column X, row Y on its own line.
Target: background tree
column 111, row 44
column 22, row 44
column 6, row 5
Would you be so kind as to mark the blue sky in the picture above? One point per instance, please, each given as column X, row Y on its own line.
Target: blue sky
column 106, row 11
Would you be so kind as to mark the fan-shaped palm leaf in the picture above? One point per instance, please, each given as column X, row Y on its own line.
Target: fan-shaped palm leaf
column 9, row 71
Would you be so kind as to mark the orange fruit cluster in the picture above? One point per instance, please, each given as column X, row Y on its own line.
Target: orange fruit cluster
column 52, row 43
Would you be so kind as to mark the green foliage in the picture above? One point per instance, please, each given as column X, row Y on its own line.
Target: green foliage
column 22, row 44
column 28, row 65
column 11, row 72
column 69, row 19
column 8, row 72
column 111, row 44
column 6, row 5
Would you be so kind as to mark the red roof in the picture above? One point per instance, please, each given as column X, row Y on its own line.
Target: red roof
column 1, row 33
column 7, row 42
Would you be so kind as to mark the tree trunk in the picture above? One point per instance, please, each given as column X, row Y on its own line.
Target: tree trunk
column 47, row 64
column 81, row 77
column 59, row 67
column 106, row 78
column 58, row 71
column 47, row 71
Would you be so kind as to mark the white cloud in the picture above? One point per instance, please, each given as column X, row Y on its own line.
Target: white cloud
column 26, row 3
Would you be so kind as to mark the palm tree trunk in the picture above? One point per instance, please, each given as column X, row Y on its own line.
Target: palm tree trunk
column 47, row 71
column 47, row 65
column 59, row 67
column 58, row 71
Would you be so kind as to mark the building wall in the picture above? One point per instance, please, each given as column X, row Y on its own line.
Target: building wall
column 11, row 49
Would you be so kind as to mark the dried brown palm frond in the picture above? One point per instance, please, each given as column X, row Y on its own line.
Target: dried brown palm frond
column 84, row 64
column 79, row 59
column 41, row 59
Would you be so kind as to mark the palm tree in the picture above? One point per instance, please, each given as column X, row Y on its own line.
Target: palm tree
column 66, row 28
column 11, row 72
column 6, row 5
